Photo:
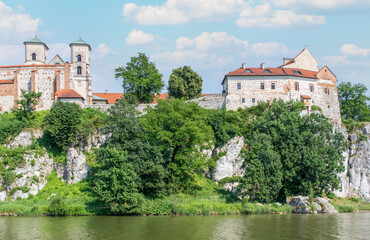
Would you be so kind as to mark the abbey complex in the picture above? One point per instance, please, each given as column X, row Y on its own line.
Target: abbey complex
column 298, row 79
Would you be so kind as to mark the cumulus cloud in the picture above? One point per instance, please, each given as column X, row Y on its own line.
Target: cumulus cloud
column 351, row 49
column 139, row 37
column 102, row 51
column 11, row 54
column 322, row 4
column 269, row 49
column 215, row 40
column 265, row 16
column 16, row 26
column 174, row 12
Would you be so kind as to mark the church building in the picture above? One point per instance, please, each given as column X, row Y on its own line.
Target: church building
column 57, row 80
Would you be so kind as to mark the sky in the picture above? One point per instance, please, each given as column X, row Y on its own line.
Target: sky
column 213, row 37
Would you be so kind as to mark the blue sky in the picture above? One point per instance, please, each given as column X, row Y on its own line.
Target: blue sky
column 212, row 36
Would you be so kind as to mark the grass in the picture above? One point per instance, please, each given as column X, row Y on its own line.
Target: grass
column 350, row 204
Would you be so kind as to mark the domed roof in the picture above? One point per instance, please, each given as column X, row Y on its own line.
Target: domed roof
column 36, row 40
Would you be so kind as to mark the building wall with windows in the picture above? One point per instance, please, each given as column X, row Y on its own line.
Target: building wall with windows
column 49, row 78
column 245, row 86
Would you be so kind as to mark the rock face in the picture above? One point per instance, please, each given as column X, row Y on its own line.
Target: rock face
column 355, row 180
column 32, row 175
column 230, row 164
column 75, row 169
column 24, row 139
column 301, row 204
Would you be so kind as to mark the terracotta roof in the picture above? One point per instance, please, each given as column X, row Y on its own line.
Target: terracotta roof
column 68, row 93
column 6, row 81
column 305, row 97
column 273, row 72
column 111, row 97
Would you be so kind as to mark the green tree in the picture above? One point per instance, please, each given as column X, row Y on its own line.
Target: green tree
column 263, row 170
column 126, row 133
column 181, row 132
column 184, row 83
column 27, row 103
column 353, row 101
column 310, row 152
column 115, row 182
column 141, row 78
column 61, row 124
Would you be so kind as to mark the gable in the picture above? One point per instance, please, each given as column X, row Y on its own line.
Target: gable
column 327, row 74
column 57, row 60
column 304, row 60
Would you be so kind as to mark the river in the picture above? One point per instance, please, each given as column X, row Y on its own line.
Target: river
column 321, row 226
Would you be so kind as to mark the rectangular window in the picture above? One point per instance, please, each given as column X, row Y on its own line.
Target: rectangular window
column 272, row 85
column 239, row 86
column 326, row 90
column 253, row 100
column 311, row 88
column 296, row 86
column 243, row 100
column 262, row 86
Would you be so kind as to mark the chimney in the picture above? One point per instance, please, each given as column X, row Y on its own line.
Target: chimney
column 243, row 65
column 286, row 60
column 263, row 65
column 106, row 92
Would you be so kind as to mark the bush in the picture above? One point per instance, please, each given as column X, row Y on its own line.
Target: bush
column 345, row 209
column 9, row 126
column 316, row 108
column 57, row 207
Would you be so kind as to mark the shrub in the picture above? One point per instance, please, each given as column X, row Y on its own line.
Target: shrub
column 57, row 207
column 316, row 108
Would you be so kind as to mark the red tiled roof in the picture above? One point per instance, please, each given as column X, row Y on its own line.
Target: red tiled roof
column 6, row 81
column 305, row 97
column 273, row 72
column 111, row 97
column 68, row 93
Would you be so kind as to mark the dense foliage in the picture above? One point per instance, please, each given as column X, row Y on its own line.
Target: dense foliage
column 141, row 78
column 114, row 182
column 292, row 154
column 354, row 104
column 184, row 83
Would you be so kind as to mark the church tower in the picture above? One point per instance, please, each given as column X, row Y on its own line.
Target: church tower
column 35, row 51
column 80, row 69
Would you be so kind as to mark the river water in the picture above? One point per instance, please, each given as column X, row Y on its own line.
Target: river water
column 321, row 226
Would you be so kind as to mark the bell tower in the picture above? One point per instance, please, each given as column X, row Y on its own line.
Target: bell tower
column 35, row 51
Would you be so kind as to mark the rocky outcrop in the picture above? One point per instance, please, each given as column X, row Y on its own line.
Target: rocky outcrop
column 75, row 169
column 302, row 204
column 230, row 164
column 31, row 176
column 355, row 180
column 25, row 138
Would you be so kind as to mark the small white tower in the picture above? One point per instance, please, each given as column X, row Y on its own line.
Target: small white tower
column 80, row 69
column 35, row 51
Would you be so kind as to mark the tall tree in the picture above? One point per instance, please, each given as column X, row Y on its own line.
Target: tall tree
column 353, row 101
column 141, row 78
column 185, row 83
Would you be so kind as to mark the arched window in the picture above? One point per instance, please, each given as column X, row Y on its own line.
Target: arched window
column 79, row 70
column 78, row 58
column 33, row 56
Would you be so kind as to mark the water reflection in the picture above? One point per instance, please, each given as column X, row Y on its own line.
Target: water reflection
column 325, row 226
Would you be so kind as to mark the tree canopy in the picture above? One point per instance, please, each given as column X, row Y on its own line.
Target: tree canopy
column 27, row 103
column 290, row 154
column 140, row 78
column 353, row 101
column 184, row 83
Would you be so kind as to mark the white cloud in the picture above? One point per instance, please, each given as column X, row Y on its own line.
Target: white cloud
column 269, row 49
column 351, row 49
column 215, row 40
column 265, row 16
column 15, row 26
column 334, row 60
column 102, row 51
column 179, row 12
column 322, row 4
column 190, row 57
column 11, row 54
column 139, row 37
